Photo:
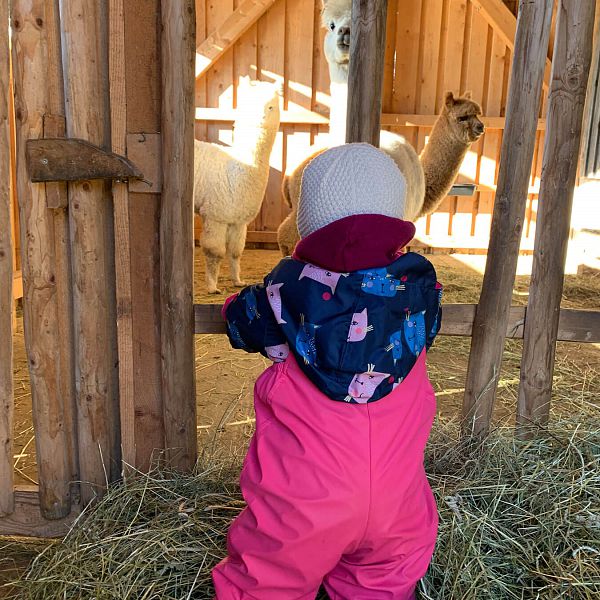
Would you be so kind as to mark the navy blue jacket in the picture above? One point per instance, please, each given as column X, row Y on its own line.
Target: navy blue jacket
column 355, row 335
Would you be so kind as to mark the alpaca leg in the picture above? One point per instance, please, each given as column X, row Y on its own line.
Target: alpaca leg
column 214, row 238
column 236, row 241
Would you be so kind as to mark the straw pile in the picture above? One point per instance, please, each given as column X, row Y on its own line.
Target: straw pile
column 517, row 520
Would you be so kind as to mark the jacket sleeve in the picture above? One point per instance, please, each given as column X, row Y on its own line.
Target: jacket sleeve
column 433, row 320
column 251, row 325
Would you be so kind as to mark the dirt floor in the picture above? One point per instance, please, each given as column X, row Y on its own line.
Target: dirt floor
column 225, row 377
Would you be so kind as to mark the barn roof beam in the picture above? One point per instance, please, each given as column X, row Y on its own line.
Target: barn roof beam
column 234, row 26
column 498, row 15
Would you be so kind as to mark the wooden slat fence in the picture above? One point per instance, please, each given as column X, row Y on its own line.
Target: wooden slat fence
column 432, row 46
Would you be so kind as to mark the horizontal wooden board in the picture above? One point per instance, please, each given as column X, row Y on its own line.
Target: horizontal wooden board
column 307, row 117
column 574, row 325
column 26, row 520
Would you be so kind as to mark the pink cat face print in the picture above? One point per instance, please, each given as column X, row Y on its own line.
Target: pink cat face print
column 363, row 385
column 274, row 297
column 328, row 278
column 359, row 327
column 278, row 353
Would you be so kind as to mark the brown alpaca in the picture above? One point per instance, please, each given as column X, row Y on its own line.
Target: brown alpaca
column 456, row 128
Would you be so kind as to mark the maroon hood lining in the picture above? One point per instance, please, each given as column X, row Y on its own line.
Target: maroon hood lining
column 355, row 243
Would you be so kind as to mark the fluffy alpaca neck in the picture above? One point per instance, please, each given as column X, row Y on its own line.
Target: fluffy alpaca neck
column 252, row 145
column 338, row 75
column 441, row 160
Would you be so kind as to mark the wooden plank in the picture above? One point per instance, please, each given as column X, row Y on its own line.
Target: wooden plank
column 499, row 16
column 41, row 318
column 406, row 72
column 574, row 326
column 200, row 84
column 85, row 25
column 305, row 117
column 57, row 194
column 26, row 519
column 118, row 123
column 271, row 37
column 515, row 166
column 365, row 71
column 570, row 70
column 219, row 78
column 226, row 35
column 143, row 90
column 6, row 280
column 390, row 56
column 176, row 233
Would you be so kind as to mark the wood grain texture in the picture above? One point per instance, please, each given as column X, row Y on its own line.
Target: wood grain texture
column 6, row 280
column 574, row 325
column 85, row 24
column 225, row 36
column 533, row 29
column 365, row 72
column 26, row 520
column 40, row 268
column 176, row 233
column 118, row 121
column 570, row 69
column 143, row 89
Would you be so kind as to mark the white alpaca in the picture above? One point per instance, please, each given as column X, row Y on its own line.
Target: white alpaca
column 230, row 182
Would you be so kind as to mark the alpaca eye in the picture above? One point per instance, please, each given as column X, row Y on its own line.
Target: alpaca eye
column 332, row 25
column 463, row 119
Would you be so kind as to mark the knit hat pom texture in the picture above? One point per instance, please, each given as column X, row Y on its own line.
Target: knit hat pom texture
column 353, row 179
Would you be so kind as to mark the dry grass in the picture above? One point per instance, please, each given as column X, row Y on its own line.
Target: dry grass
column 517, row 520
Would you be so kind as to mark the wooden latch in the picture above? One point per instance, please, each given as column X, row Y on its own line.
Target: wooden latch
column 69, row 159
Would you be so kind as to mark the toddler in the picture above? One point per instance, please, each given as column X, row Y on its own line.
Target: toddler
column 334, row 480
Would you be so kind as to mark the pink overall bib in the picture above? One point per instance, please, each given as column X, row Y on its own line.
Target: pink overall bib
column 336, row 494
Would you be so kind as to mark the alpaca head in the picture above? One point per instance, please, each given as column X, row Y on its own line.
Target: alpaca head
column 337, row 17
column 463, row 117
column 258, row 104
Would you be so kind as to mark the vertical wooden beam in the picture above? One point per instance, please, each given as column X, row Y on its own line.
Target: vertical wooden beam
column 85, row 24
column 54, row 126
column 365, row 72
column 489, row 328
column 176, row 232
column 570, row 69
column 41, row 303
column 118, row 122
column 6, row 281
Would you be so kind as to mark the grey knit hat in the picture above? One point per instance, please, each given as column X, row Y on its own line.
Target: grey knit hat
column 353, row 179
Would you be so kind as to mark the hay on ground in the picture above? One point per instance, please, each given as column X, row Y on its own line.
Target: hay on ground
column 517, row 521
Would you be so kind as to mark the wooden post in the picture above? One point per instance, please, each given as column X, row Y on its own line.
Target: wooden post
column 570, row 69
column 176, row 232
column 92, row 245
column 118, row 121
column 41, row 303
column 365, row 73
column 489, row 329
column 6, row 281
column 54, row 126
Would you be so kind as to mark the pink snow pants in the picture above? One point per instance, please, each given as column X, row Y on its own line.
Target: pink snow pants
column 336, row 494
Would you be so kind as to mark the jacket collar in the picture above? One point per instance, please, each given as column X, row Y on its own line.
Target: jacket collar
column 355, row 243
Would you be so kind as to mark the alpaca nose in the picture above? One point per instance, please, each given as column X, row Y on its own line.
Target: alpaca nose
column 344, row 38
column 479, row 127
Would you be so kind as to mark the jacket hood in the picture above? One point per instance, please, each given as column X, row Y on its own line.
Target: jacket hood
column 356, row 242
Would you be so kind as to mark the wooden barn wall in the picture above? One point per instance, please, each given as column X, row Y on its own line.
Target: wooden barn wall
column 432, row 46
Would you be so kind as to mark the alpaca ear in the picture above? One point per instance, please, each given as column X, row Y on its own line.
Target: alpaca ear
column 468, row 95
column 449, row 99
column 245, row 81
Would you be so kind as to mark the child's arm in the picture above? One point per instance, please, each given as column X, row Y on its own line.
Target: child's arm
column 251, row 325
column 433, row 315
